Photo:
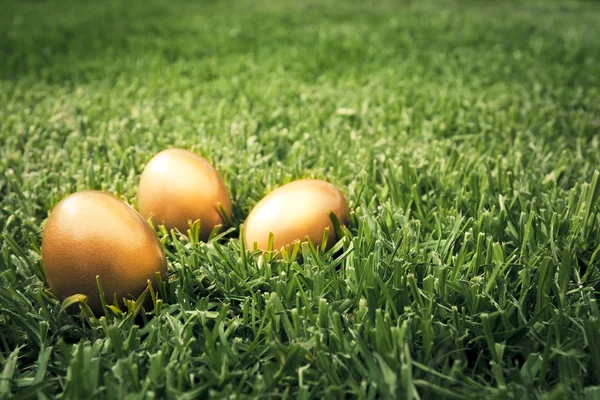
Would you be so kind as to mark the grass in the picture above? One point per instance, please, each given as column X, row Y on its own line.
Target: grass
column 465, row 135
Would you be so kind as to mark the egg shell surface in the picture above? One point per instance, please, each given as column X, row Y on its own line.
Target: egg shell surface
column 178, row 186
column 92, row 233
column 295, row 211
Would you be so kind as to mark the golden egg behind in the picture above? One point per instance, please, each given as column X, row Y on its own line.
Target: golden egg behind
column 92, row 233
column 178, row 186
column 295, row 211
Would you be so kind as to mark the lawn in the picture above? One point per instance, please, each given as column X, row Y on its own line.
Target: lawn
column 465, row 136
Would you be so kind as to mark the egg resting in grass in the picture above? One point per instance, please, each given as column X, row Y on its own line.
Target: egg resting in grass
column 178, row 186
column 92, row 233
column 294, row 212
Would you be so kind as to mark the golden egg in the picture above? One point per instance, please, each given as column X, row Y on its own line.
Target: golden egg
column 178, row 186
column 294, row 212
column 92, row 233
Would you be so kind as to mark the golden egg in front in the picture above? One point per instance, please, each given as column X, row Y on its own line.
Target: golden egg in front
column 294, row 212
column 178, row 186
column 91, row 233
